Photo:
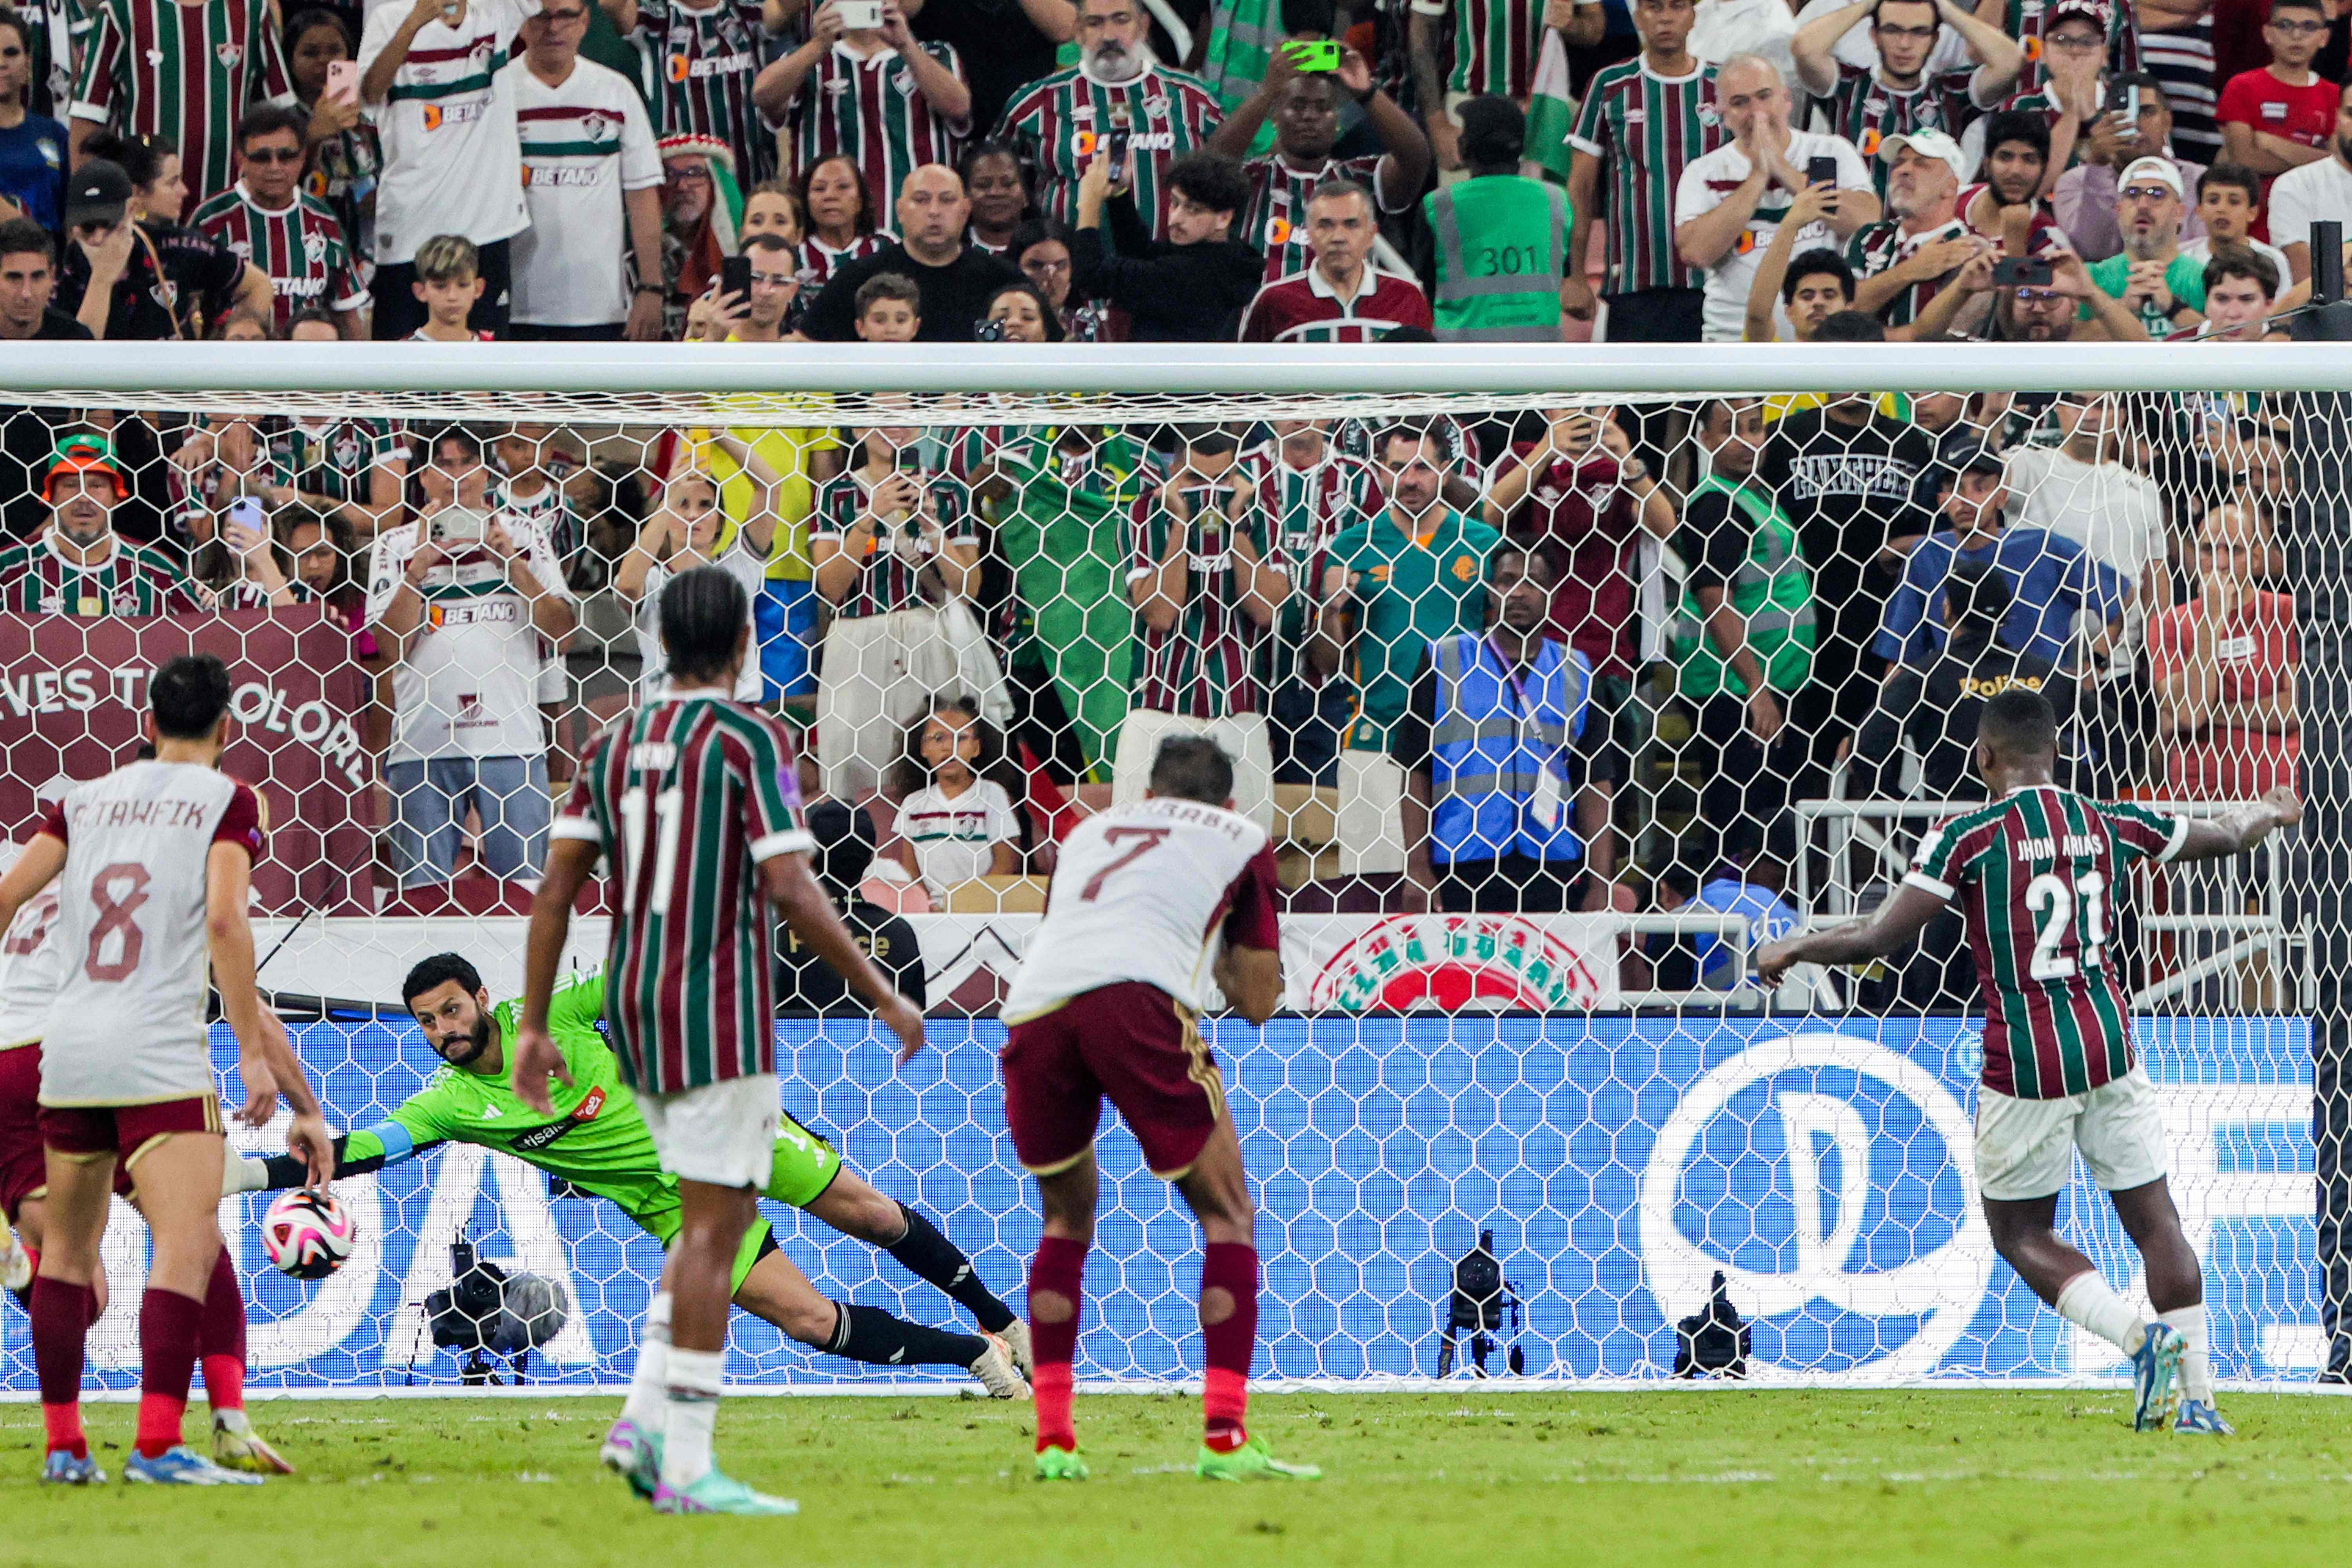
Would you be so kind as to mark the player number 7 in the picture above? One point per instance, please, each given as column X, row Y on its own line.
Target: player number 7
column 1149, row 839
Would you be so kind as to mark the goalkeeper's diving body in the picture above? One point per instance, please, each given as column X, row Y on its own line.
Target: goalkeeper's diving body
column 597, row 1141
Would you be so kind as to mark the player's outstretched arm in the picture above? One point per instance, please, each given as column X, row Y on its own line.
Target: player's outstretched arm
column 1896, row 924
column 569, row 863
column 356, row 1154
column 795, row 891
column 44, row 857
column 2239, row 829
column 1251, row 978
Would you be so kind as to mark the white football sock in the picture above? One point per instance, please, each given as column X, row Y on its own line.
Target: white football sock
column 2090, row 1301
column 2196, row 1361
column 693, row 1415
column 649, row 1385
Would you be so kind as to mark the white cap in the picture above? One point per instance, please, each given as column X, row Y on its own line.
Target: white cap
column 2154, row 168
column 1927, row 145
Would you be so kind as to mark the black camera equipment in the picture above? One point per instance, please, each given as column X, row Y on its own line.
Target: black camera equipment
column 1480, row 1294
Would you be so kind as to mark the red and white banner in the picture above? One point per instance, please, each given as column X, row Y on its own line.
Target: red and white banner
column 73, row 706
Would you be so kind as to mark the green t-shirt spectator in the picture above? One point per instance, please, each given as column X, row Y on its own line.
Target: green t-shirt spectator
column 2184, row 275
column 1408, row 592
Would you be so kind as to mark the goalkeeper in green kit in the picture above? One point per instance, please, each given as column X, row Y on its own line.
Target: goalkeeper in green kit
column 597, row 1141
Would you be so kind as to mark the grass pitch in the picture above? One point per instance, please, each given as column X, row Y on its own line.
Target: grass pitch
column 1472, row 1478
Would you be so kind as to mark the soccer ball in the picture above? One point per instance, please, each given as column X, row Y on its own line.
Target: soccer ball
column 308, row 1235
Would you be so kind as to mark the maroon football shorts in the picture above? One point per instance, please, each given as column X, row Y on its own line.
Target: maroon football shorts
column 1132, row 1042
column 125, row 1132
column 23, row 1170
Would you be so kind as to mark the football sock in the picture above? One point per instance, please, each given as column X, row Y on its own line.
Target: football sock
column 930, row 1257
column 1230, row 1267
column 223, row 1339
column 1058, row 1269
column 871, row 1334
column 62, row 1317
column 649, row 1385
column 171, row 1328
column 2196, row 1358
column 693, row 1415
column 2088, row 1300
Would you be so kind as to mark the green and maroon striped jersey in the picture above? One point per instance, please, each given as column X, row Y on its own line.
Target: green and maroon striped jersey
column 1879, row 245
column 1275, row 220
column 687, row 796
column 890, row 576
column 1866, row 111
column 1645, row 129
column 2038, row 874
column 1305, row 509
column 1064, row 116
column 702, row 62
column 335, row 459
column 2027, row 20
column 1495, row 45
column 35, row 579
column 301, row 249
column 1205, row 666
column 157, row 68
column 868, row 109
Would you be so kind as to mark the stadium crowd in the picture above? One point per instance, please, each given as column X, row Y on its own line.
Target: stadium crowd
column 1579, row 659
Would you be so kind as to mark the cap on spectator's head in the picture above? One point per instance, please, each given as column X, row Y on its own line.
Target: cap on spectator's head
column 2097, row 12
column 82, row 454
column 1494, row 129
column 2154, row 168
column 1963, row 451
column 1933, row 144
column 100, row 192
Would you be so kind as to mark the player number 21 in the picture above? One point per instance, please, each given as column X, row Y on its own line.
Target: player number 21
column 2049, row 897
column 666, row 811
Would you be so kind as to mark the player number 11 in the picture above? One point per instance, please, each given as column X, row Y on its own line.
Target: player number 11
column 667, row 808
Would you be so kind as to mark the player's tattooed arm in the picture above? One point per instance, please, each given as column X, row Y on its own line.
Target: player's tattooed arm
column 2242, row 827
column 1895, row 925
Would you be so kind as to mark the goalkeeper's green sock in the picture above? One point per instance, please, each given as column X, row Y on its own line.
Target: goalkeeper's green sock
column 648, row 1404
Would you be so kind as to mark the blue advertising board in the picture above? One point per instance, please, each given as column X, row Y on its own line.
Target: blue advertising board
column 1822, row 1165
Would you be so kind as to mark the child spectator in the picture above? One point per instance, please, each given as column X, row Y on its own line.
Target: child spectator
column 890, row 308
column 954, row 823
column 448, row 282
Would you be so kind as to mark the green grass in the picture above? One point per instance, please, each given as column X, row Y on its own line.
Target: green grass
column 1473, row 1478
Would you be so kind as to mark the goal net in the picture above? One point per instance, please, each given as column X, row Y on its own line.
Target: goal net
column 1561, row 679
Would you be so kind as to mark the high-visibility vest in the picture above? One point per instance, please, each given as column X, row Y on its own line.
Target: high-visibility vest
column 1502, row 248
column 1488, row 745
column 1772, row 592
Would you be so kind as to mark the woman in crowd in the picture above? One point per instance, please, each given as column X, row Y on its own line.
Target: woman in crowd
column 841, row 223
column 1019, row 313
column 772, row 206
column 1041, row 249
column 999, row 196
column 688, row 530
column 345, row 158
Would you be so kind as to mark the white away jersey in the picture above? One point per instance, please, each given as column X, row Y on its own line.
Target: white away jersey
column 29, row 970
column 129, row 1024
column 583, row 144
column 1139, row 893
column 452, row 163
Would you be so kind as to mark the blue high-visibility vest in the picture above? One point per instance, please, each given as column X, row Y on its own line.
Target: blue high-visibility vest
column 1489, row 740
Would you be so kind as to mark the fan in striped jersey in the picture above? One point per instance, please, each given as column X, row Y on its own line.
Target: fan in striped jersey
column 185, row 71
column 862, row 97
column 1065, row 119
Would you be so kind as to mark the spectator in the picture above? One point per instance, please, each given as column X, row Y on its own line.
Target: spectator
column 1344, row 297
column 1639, row 127
column 346, row 159
column 1303, row 108
column 2030, row 313
column 80, row 565
column 1507, row 788
column 1117, row 90
column 351, row 469
column 27, row 268
column 2150, row 275
column 1206, row 583
column 321, row 548
column 532, row 464
column 955, row 823
column 236, row 561
column 2006, row 206
column 1722, row 220
column 1005, row 44
column 1019, row 313
column 2241, row 292
column 889, row 310
column 774, row 207
column 688, row 530
column 225, row 54
column 874, row 95
column 896, row 545
column 1934, row 709
column 291, row 236
column 32, row 146
column 1702, row 959
column 450, row 285
column 841, row 220
column 760, row 316
column 1494, row 52
column 2317, row 192
column 705, row 61
column 459, row 600
column 1868, row 107
column 1501, row 236
column 1803, row 293
column 2283, row 115
column 1042, row 248
column 699, row 230
column 2229, row 205
column 1725, row 29
column 126, row 278
column 452, row 154
column 1744, row 638
column 1411, row 573
column 992, row 177
column 2053, row 580
column 2085, row 199
column 1903, row 260
column 1307, row 495
column 2080, row 42
column 1190, row 288
column 955, row 280
column 2176, row 47
column 2223, row 665
column 593, row 190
